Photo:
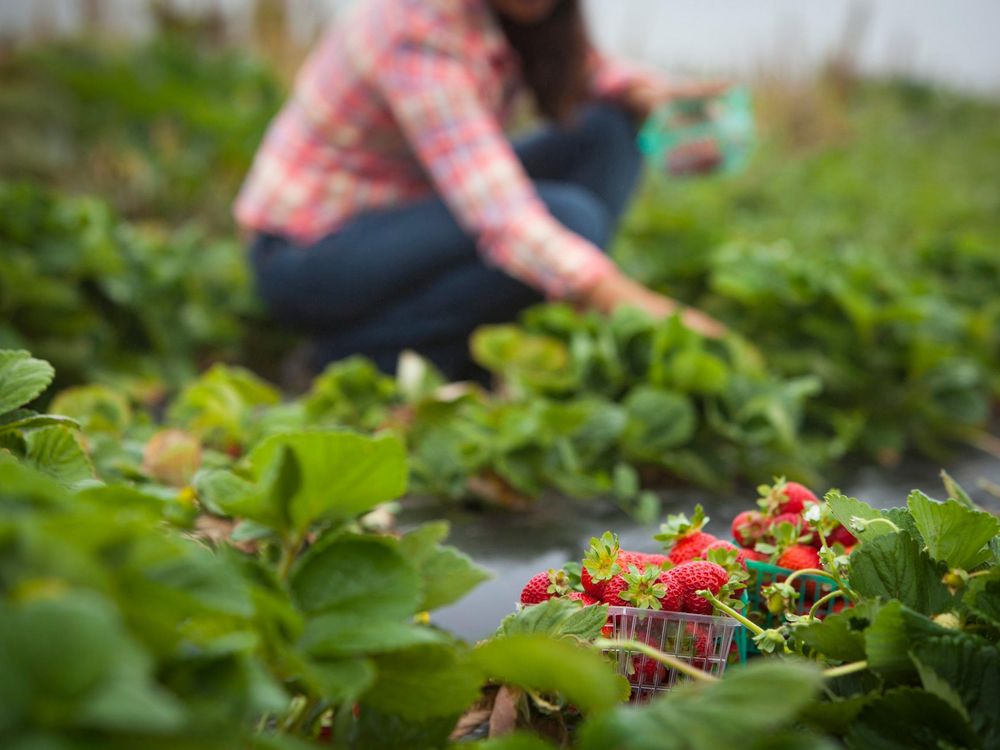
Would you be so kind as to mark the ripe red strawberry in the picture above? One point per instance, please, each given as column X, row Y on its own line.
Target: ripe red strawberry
column 840, row 535
column 748, row 527
column 673, row 600
column 627, row 559
column 785, row 497
column 686, row 539
column 653, row 559
column 544, row 586
column 795, row 519
column 612, row 592
column 691, row 577
column 580, row 596
column 646, row 672
column 741, row 554
column 600, row 564
column 752, row 554
column 799, row 557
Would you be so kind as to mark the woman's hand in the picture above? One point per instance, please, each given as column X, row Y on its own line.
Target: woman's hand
column 647, row 93
column 615, row 289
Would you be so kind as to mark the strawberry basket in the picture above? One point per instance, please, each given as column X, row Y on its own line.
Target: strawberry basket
column 809, row 589
column 703, row 641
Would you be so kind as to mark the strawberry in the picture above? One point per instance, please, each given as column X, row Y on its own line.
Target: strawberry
column 626, row 559
column 691, row 577
column 580, row 596
column 646, row 672
column 752, row 554
column 600, row 564
column 785, row 497
column 741, row 554
column 799, row 557
column 673, row 599
column 686, row 538
column 840, row 535
column 795, row 519
column 748, row 527
column 661, row 561
column 544, row 586
column 613, row 590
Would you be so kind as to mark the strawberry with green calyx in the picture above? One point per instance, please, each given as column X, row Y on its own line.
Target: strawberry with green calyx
column 799, row 557
column 780, row 537
column 643, row 588
column 784, row 497
column 600, row 564
column 661, row 561
column 544, row 586
column 684, row 538
column 691, row 577
column 726, row 554
column 821, row 520
column 780, row 597
column 748, row 527
column 584, row 598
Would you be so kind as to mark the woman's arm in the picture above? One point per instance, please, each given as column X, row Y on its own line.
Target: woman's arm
column 462, row 147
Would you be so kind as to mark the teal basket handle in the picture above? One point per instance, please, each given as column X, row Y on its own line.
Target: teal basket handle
column 727, row 120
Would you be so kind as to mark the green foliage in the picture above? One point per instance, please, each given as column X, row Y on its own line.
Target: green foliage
column 838, row 262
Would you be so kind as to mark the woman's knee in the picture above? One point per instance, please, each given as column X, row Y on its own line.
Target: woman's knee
column 578, row 210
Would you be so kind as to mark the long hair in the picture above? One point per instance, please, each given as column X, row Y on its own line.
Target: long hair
column 554, row 57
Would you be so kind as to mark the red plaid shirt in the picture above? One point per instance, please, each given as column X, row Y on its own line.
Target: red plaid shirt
column 403, row 98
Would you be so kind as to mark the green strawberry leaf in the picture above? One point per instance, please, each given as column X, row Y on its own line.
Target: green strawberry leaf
column 56, row 451
column 343, row 474
column 557, row 618
column 965, row 669
column 846, row 509
column 426, row 681
column 658, row 421
column 447, row 575
column 954, row 534
column 703, row 716
column 893, row 566
column 907, row 718
column 25, row 419
column 357, row 575
column 982, row 597
column 835, row 637
column 894, row 632
column 539, row 662
column 22, row 378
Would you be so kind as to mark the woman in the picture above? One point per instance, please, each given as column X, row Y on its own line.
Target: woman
column 390, row 210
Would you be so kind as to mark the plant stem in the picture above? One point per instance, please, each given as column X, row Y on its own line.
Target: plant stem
column 671, row 661
column 845, row 669
column 824, row 599
column 811, row 572
column 289, row 551
column 748, row 624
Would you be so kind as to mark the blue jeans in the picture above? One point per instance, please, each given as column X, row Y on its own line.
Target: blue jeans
column 409, row 277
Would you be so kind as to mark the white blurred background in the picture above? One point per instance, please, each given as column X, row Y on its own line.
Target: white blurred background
column 947, row 41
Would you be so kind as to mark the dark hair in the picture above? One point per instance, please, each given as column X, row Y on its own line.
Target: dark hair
column 554, row 58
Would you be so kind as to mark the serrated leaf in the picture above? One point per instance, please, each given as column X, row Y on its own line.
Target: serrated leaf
column 56, row 452
column 343, row 474
column 418, row 683
column 894, row 632
column 845, row 508
column 25, row 419
column 539, row 662
column 342, row 679
column 894, row 566
column 907, row 718
column 834, row 637
column 447, row 574
column 22, row 378
column 969, row 668
column 727, row 713
column 340, row 634
column 982, row 596
column 954, row 534
column 357, row 575
column 557, row 618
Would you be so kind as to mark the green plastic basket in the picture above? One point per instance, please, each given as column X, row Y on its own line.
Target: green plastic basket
column 809, row 587
column 726, row 120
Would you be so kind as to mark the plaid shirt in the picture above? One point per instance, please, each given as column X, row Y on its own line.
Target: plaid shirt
column 404, row 98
